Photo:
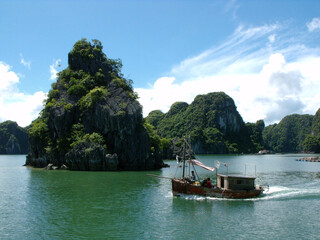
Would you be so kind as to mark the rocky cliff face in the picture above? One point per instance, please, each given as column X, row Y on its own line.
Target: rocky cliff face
column 92, row 120
column 223, row 128
column 13, row 139
column 219, row 110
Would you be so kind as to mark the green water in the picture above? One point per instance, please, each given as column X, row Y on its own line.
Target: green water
column 39, row 204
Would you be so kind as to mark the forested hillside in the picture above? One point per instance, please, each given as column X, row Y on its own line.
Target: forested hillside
column 13, row 139
column 312, row 141
column 213, row 124
column 289, row 134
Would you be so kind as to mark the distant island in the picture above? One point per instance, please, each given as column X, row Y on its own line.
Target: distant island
column 13, row 139
column 215, row 127
column 213, row 124
column 92, row 120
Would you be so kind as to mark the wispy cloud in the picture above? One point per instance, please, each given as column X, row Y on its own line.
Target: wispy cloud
column 24, row 62
column 15, row 105
column 267, row 70
column 244, row 45
column 272, row 38
column 53, row 69
column 232, row 7
column 314, row 24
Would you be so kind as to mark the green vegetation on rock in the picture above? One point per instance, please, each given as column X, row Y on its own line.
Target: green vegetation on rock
column 13, row 139
column 312, row 141
column 215, row 126
column 212, row 122
column 289, row 134
column 93, row 110
column 255, row 131
column 95, row 95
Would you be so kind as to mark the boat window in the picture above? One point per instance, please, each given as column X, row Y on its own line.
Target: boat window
column 239, row 181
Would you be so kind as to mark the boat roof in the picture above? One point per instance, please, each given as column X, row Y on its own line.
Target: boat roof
column 236, row 176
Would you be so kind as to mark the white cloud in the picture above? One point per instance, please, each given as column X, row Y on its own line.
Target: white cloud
column 232, row 6
column 14, row 105
column 164, row 92
column 8, row 79
column 272, row 38
column 262, row 82
column 314, row 24
column 24, row 62
column 53, row 69
column 237, row 53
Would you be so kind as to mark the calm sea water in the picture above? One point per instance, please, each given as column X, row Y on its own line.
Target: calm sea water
column 39, row 204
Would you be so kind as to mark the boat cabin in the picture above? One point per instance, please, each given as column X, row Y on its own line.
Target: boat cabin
column 235, row 182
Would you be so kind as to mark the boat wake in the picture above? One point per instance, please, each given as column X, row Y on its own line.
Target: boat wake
column 274, row 193
column 284, row 193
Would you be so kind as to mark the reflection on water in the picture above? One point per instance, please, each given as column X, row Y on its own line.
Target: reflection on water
column 38, row 204
column 88, row 203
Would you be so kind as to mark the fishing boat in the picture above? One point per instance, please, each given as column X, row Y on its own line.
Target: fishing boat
column 227, row 185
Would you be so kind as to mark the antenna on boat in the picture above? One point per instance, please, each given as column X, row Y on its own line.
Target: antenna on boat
column 217, row 175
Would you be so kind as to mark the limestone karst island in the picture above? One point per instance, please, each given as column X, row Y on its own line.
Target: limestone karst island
column 92, row 119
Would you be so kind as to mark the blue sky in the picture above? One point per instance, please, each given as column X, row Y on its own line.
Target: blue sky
column 264, row 54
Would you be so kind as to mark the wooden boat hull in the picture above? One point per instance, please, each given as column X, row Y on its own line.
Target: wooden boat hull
column 180, row 186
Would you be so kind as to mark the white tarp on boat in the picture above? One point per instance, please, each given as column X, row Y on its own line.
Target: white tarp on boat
column 200, row 164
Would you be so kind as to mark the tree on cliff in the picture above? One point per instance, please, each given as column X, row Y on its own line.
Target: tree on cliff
column 92, row 119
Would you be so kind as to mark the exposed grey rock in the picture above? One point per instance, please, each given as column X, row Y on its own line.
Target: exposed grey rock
column 63, row 167
column 116, row 117
column 12, row 146
column 86, row 157
column 50, row 166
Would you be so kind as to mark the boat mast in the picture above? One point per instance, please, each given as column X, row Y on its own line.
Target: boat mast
column 184, row 156
column 217, row 176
